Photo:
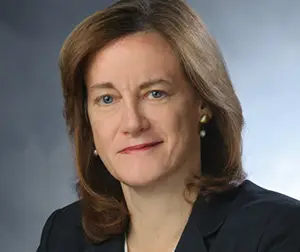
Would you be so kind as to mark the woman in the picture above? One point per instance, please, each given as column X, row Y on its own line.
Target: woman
column 156, row 126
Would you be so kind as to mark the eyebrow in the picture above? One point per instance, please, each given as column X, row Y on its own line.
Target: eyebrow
column 143, row 85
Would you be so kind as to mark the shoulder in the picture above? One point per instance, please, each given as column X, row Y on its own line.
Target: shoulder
column 63, row 229
column 258, row 198
column 256, row 206
column 274, row 215
column 69, row 215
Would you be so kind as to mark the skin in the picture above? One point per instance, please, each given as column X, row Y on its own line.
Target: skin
column 122, row 114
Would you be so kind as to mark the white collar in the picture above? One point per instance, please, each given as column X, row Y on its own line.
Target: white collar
column 125, row 244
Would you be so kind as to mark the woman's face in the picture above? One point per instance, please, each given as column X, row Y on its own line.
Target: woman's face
column 137, row 94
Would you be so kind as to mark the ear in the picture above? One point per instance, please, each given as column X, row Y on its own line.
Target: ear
column 204, row 109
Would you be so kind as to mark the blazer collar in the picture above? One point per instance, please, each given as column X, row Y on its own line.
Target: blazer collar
column 210, row 215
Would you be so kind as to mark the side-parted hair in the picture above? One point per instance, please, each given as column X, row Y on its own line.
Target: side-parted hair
column 104, row 211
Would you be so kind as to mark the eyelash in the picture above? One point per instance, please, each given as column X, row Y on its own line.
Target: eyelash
column 164, row 94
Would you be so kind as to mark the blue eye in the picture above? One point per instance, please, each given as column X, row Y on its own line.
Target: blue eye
column 158, row 94
column 106, row 99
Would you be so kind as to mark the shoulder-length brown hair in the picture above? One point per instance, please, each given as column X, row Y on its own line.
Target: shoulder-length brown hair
column 104, row 209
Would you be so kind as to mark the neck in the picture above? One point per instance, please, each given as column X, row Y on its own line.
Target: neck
column 158, row 215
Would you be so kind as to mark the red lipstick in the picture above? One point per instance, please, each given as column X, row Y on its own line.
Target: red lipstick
column 140, row 147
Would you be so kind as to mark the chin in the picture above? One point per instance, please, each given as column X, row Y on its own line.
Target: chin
column 137, row 184
column 138, row 181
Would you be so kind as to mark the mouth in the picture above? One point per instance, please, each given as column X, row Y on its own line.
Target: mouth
column 141, row 147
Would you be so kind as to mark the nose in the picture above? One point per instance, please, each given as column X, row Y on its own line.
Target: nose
column 133, row 120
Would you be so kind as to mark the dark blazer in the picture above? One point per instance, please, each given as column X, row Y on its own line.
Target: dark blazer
column 245, row 219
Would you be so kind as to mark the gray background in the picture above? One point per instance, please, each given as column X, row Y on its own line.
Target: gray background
column 261, row 44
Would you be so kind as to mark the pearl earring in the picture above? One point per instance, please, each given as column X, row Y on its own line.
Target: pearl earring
column 202, row 133
column 95, row 153
column 203, row 120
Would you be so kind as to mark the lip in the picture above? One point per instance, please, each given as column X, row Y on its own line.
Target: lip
column 140, row 147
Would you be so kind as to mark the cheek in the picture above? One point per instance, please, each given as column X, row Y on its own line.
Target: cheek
column 174, row 128
column 181, row 120
column 183, row 127
column 102, row 133
column 176, row 120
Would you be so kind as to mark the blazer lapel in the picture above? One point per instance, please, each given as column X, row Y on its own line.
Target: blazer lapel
column 191, row 239
column 206, row 220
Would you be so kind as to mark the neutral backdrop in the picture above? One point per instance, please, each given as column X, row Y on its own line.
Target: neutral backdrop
column 260, row 41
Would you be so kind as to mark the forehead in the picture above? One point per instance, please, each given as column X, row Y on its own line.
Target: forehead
column 134, row 58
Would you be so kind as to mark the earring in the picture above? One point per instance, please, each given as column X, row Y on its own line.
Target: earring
column 203, row 120
column 202, row 133
column 95, row 153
